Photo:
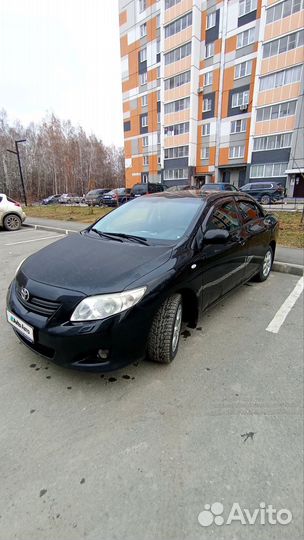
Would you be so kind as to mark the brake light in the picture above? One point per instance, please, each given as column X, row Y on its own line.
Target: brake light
column 17, row 204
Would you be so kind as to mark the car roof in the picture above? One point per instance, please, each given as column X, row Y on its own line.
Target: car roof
column 207, row 196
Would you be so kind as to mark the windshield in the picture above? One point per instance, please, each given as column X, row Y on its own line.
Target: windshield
column 158, row 218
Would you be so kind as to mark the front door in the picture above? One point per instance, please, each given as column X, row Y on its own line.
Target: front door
column 223, row 264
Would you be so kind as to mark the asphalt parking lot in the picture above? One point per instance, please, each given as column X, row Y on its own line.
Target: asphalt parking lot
column 137, row 454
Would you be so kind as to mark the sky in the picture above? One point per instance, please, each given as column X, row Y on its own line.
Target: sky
column 62, row 56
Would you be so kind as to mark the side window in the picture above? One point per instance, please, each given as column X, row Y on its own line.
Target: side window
column 224, row 216
column 249, row 210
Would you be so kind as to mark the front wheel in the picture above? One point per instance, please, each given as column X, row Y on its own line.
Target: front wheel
column 165, row 331
column 265, row 267
column 265, row 199
column 12, row 222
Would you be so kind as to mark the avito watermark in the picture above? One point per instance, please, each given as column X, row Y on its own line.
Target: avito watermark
column 264, row 514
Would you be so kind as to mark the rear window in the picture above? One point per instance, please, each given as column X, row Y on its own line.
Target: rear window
column 11, row 200
column 211, row 187
column 142, row 188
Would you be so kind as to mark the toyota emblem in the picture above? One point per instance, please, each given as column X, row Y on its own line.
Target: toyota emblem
column 25, row 295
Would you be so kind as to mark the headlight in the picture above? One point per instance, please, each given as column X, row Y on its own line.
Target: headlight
column 105, row 305
column 19, row 266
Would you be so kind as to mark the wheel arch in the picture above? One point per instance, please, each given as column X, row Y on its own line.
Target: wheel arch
column 190, row 306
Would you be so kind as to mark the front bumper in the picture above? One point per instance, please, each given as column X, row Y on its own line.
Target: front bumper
column 121, row 338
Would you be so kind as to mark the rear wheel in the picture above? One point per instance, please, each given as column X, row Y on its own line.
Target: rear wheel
column 265, row 267
column 12, row 222
column 265, row 199
column 165, row 331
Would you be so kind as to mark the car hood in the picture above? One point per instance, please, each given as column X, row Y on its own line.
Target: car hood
column 81, row 262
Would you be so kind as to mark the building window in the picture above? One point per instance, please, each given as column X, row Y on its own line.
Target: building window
column 281, row 78
column 243, row 69
column 209, row 50
column 238, row 126
column 284, row 44
column 142, row 5
column 143, row 78
column 158, row 137
column 145, row 178
column 146, row 160
column 245, row 38
column 145, row 141
column 178, row 53
column 240, row 99
column 176, row 152
column 177, row 129
column 207, row 104
column 127, row 125
column 284, row 9
column 272, row 142
column 205, row 129
column 205, row 152
column 143, row 30
column 177, row 80
column 268, row 170
column 208, row 78
column 211, row 20
column 144, row 120
column 246, row 6
column 158, row 21
column 158, row 72
column 176, row 174
column 178, row 25
column 144, row 100
column 236, row 152
column 280, row 110
column 179, row 105
column 158, row 95
column 171, row 3
column 158, row 117
column 143, row 55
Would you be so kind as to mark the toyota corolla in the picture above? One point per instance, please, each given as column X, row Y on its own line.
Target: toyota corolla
column 119, row 290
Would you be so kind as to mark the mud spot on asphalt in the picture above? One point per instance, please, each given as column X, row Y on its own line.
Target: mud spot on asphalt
column 135, row 364
column 237, row 395
column 37, row 368
column 186, row 334
column 58, row 516
column 207, row 368
column 112, row 379
column 133, row 378
column 82, row 481
column 69, row 388
column 32, row 411
column 42, row 492
column 102, row 376
column 33, row 365
column 48, row 377
column 126, row 377
column 46, row 367
column 198, row 328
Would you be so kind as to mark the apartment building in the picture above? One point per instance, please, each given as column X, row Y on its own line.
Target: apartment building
column 213, row 91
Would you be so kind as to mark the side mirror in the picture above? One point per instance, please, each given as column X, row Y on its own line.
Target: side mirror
column 216, row 236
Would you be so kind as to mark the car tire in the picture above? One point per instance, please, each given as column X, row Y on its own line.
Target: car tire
column 165, row 331
column 265, row 267
column 12, row 222
column 265, row 199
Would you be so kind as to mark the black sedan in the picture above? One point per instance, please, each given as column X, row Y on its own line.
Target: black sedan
column 119, row 290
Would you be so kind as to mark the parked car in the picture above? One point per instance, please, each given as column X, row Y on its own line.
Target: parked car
column 52, row 199
column 218, row 186
column 179, row 188
column 94, row 197
column 265, row 192
column 149, row 187
column 11, row 213
column 119, row 290
column 70, row 198
column 116, row 197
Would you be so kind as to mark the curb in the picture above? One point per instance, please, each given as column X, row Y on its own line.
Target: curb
column 49, row 228
column 287, row 268
column 283, row 267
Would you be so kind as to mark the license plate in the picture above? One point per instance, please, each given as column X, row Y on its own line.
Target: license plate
column 23, row 328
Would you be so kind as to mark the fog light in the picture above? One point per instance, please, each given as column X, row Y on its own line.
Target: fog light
column 103, row 354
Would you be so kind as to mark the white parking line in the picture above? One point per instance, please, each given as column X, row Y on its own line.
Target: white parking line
column 280, row 316
column 35, row 239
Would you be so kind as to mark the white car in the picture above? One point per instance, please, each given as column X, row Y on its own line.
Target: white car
column 11, row 213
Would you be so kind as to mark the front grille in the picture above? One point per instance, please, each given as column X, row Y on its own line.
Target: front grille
column 39, row 305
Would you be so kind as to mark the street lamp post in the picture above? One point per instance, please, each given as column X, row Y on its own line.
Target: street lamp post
column 16, row 152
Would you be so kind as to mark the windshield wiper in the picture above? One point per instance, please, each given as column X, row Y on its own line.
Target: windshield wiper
column 106, row 235
column 132, row 237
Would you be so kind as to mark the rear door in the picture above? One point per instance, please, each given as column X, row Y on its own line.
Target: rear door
column 256, row 234
column 223, row 265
